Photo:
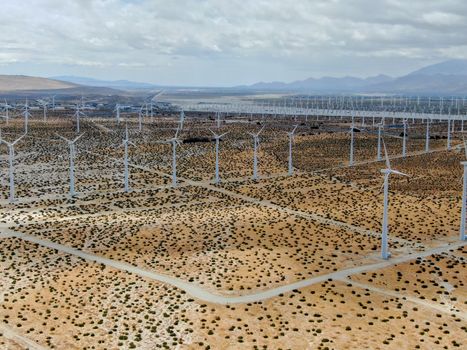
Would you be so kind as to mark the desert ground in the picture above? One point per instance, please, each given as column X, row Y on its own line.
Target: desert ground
column 281, row 262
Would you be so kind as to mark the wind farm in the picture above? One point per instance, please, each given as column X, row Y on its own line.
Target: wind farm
column 198, row 234
column 233, row 175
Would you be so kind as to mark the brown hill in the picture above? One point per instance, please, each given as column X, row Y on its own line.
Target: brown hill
column 22, row 82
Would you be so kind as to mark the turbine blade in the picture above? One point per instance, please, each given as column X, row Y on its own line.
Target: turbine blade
column 77, row 138
column 260, row 131
column 63, row 138
column 397, row 172
column 388, row 164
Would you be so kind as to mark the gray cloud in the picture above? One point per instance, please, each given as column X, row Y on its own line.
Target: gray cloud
column 228, row 42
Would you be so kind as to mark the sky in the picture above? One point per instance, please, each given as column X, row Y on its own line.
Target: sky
column 228, row 42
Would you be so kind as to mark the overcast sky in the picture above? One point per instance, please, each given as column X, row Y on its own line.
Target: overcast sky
column 228, row 42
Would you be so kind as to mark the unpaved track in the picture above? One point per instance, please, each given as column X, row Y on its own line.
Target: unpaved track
column 19, row 339
column 205, row 295
column 418, row 301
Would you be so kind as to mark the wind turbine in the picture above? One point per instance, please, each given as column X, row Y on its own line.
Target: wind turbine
column 182, row 119
column 462, row 234
column 71, row 145
column 117, row 110
column 384, row 234
column 380, row 129
column 217, row 137
column 175, row 141
column 11, row 170
column 291, row 139
column 77, row 115
column 126, row 143
column 6, row 108
column 44, row 105
column 427, row 136
column 255, row 154
column 351, row 142
column 26, row 116
column 448, row 145
column 404, row 139
column 218, row 117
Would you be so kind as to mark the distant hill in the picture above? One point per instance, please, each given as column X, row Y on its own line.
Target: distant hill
column 451, row 67
column 325, row 84
column 449, row 77
column 114, row 84
column 22, row 83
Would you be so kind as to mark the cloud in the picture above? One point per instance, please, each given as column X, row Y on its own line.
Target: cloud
column 131, row 37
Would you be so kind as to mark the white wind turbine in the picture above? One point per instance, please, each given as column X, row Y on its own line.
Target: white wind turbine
column 384, row 234
column 427, row 135
column 78, row 114
column 291, row 135
column 255, row 152
column 182, row 119
column 44, row 105
column 26, row 114
column 6, row 108
column 175, row 141
column 218, row 118
column 380, row 130
column 11, row 169
column 126, row 143
column 404, row 139
column 462, row 234
column 352, row 127
column 217, row 137
column 448, row 145
column 117, row 111
column 71, row 145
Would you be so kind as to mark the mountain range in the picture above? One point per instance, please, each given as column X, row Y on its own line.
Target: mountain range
column 445, row 78
column 448, row 77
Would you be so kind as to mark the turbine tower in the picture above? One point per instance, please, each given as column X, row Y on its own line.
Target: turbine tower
column 217, row 137
column 182, row 119
column 77, row 115
column 6, row 108
column 44, row 105
column 351, row 142
column 384, row 234
column 218, row 118
column 71, row 145
column 291, row 139
column 404, row 139
column 448, row 145
column 380, row 128
column 255, row 154
column 126, row 143
column 11, row 170
column 175, row 141
column 26, row 116
column 462, row 234
column 117, row 110
column 427, row 136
